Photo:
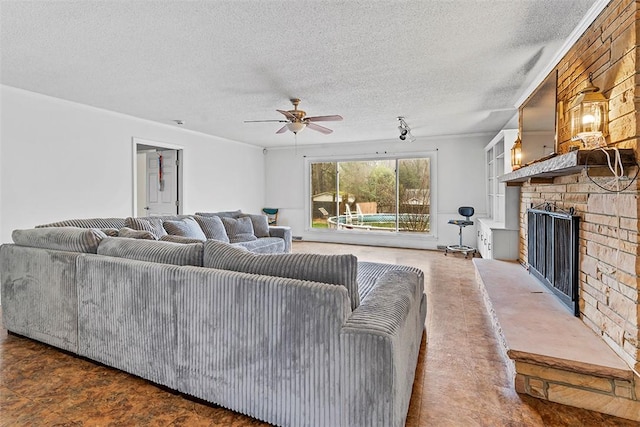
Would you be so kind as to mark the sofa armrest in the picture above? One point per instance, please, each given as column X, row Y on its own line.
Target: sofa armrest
column 284, row 233
column 380, row 343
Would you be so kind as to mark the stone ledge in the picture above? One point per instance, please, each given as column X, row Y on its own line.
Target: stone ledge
column 567, row 164
column 551, row 349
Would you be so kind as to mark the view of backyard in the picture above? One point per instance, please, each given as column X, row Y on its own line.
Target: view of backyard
column 382, row 195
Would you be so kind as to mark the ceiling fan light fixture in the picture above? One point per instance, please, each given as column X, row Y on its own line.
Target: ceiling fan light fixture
column 296, row 127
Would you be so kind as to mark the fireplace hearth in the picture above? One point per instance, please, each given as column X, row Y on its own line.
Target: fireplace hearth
column 552, row 244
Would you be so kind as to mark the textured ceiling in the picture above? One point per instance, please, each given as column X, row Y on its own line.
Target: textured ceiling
column 448, row 66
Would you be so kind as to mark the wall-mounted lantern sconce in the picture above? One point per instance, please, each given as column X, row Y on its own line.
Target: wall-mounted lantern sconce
column 516, row 154
column 588, row 112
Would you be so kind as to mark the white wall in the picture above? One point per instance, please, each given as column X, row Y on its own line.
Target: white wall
column 63, row 160
column 459, row 181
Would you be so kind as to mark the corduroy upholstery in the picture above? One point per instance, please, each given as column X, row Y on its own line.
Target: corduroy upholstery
column 284, row 233
column 288, row 351
column 38, row 293
column 264, row 245
column 260, row 224
column 223, row 214
column 370, row 272
column 185, row 227
column 150, row 224
column 71, row 239
column 116, row 223
column 126, row 316
column 212, row 227
column 331, row 269
column 239, row 229
column 152, row 251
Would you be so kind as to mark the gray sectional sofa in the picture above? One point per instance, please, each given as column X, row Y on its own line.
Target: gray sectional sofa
column 240, row 229
column 291, row 339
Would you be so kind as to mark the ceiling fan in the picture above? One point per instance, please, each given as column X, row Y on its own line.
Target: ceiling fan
column 297, row 120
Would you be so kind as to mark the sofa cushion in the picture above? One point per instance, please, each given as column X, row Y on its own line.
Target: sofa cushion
column 239, row 229
column 136, row 234
column 87, row 223
column 179, row 239
column 72, row 239
column 223, row 214
column 152, row 224
column 152, row 251
column 260, row 224
column 332, row 269
column 185, row 227
column 212, row 227
column 264, row 245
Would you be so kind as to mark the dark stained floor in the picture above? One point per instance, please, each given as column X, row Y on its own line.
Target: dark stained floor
column 461, row 378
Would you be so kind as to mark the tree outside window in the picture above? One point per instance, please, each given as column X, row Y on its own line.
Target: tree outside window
column 372, row 195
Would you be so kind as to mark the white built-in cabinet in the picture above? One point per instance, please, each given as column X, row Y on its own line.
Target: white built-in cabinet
column 498, row 232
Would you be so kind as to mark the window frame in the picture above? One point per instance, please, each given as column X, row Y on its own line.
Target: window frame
column 372, row 236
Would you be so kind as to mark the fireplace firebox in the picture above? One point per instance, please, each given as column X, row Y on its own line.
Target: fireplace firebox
column 552, row 244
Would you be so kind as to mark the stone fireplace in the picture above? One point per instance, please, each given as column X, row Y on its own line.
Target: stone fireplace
column 552, row 249
column 608, row 261
column 609, row 247
column 608, row 256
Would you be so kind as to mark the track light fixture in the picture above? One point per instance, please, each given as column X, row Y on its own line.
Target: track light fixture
column 405, row 130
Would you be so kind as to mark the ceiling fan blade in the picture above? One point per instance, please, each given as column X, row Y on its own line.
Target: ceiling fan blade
column 287, row 114
column 265, row 121
column 283, row 129
column 319, row 128
column 334, row 118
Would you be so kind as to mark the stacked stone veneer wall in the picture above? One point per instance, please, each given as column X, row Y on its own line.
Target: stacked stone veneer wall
column 609, row 245
column 609, row 255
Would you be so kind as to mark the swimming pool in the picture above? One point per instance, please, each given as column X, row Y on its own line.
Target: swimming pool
column 380, row 221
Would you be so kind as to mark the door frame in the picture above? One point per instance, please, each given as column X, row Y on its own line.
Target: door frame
column 135, row 142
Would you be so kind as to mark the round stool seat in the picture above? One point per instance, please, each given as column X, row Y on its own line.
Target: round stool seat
column 460, row 222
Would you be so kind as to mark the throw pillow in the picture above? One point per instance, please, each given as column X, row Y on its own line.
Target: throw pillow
column 136, row 234
column 332, row 269
column 154, row 225
column 213, row 227
column 239, row 229
column 260, row 224
column 185, row 227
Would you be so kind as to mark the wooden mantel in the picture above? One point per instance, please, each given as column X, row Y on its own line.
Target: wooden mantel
column 567, row 164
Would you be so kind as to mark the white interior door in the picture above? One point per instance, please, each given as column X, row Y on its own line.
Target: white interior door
column 162, row 183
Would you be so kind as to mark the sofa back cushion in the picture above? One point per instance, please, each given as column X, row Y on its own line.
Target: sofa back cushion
column 239, row 229
column 72, row 239
column 116, row 223
column 223, row 214
column 331, row 269
column 152, row 251
column 185, row 227
column 212, row 227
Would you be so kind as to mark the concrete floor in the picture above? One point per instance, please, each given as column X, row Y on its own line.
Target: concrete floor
column 461, row 378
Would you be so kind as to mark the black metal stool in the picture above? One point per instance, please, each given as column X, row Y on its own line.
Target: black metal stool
column 467, row 212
